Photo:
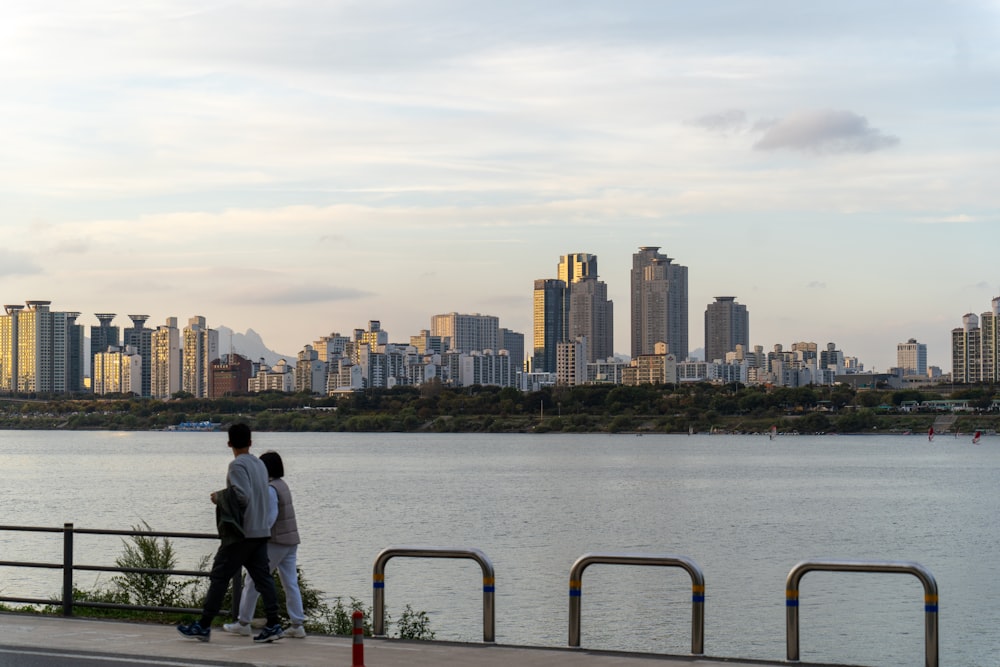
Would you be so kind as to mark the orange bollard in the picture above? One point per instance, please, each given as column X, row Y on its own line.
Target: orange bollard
column 359, row 638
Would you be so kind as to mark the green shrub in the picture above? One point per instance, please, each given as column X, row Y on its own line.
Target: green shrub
column 150, row 590
column 163, row 590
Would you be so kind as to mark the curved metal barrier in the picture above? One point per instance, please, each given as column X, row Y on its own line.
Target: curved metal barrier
column 697, row 590
column 905, row 567
column 378, row 582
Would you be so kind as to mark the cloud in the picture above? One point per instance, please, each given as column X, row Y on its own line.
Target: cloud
column 828, row 131
column 957, row 219
column 816, row 284
column 13, row 264
column 301, row 294
column 73, row 246
column 723, row 121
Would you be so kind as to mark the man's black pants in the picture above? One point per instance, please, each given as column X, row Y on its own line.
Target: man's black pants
column 248, row 553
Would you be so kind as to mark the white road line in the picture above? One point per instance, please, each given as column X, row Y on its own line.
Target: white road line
column 104, row 658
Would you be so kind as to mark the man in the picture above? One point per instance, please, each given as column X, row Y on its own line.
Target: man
column 242, row 516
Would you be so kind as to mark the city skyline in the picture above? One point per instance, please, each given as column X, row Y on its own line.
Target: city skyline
column 299, row 169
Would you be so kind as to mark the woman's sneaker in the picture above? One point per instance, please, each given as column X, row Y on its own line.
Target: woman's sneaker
column 195, row 631
column 238, row 629
column 296, row 631
column 269, row 634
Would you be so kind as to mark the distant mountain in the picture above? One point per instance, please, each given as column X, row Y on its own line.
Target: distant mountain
column 249, row 345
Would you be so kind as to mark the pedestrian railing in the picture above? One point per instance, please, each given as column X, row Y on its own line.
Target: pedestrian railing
column 69, row 566
column 905, row 567
column 378, row 582
column 697, row 590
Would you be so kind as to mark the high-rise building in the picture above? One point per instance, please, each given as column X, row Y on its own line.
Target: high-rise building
column 550, row 323
column 513, row 342
column 659, row 291
column 139, row 337
column 332, row 347
column 373, row 338
column 76, row 354
column 201, row 348
column 989, row 327
column 8, row 348
column 425, row 343
column 117, row 371
column 805, row 352
column 483, row 368
column 832, row 359
column 103, row 336
column 41, row 350
column 911, row 356
column 310, row 371
column 165, row 367
column 975, row 347
column 467, row 333
column 727, row 324
column 577, row 267
column 966, row 347
column 589, row 312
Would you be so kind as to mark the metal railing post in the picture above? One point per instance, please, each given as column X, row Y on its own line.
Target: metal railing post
column 697, row 590
column 904, row 567
column 67, row 569
column 68, row 565
column 378, row 583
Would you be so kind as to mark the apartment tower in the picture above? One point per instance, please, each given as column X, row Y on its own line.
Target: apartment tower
column 41, row 350
column 165, row 362
column 727, row 324
column 467, row 333
column 590, row 314
column 140, row 338
column 201, row 348
column 550, row 323
column 659, row 290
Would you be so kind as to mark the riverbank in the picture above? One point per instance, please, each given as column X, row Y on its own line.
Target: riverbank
column 586, row 409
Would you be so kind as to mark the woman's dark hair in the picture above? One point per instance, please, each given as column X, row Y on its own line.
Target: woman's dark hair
column 272, row 461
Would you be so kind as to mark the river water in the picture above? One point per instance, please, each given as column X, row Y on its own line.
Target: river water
column 744, row 508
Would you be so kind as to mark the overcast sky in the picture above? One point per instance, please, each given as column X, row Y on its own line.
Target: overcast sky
column 300, row 168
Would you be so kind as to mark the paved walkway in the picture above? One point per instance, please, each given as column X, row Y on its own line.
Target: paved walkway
column 161, row 645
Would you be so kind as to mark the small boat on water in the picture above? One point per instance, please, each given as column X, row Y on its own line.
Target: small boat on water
column 195, row 426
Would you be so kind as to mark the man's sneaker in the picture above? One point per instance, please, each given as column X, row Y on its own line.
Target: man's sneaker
column 238, row 629
column 296, row 631
column 269, row 634
column 195, row 631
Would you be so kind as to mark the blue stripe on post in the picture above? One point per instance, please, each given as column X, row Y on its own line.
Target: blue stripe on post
column 791, row 603
column 378, row 584
column 487, row 589
column 697, row 598
column 574, row 592
column 930, row 608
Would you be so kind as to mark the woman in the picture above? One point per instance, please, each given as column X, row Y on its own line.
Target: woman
column 282, row 551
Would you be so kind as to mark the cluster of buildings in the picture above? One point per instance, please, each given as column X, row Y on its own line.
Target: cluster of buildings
column 42, row 350
column 975, row 347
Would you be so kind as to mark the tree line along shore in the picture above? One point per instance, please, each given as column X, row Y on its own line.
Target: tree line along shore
column 685, row 408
